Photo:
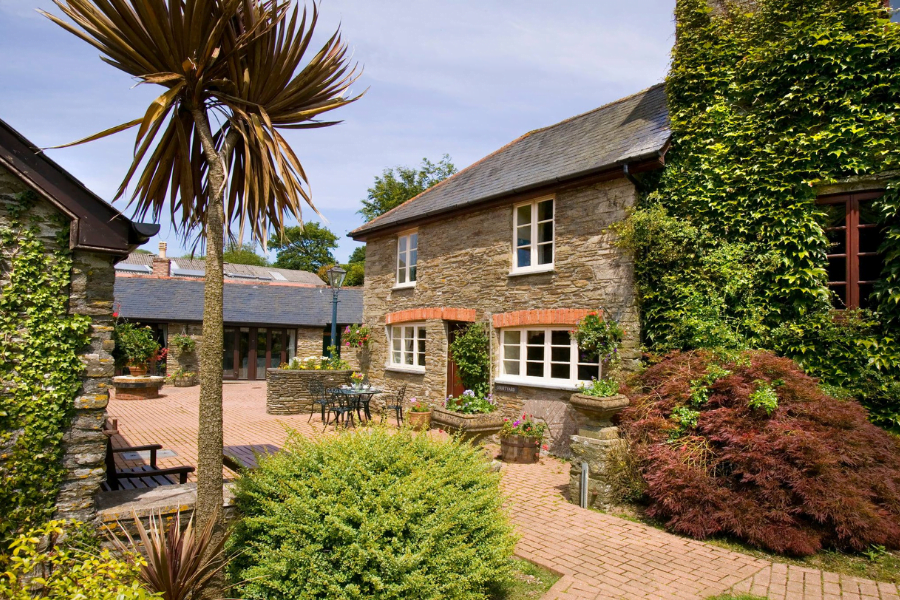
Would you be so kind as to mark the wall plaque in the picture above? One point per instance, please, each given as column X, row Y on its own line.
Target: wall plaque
column 505, row 388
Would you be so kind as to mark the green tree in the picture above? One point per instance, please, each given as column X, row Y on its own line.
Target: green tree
column 358, row 255
column 240, row 62
column 243, row 254
column 395, row 186
column 305, row 248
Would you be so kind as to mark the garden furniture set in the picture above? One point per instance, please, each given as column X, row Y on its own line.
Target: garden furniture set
column 340, row 403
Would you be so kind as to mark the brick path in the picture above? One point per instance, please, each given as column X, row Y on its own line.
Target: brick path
column 598, row 556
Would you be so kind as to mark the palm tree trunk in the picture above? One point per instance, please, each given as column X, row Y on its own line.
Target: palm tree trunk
column 209, row 442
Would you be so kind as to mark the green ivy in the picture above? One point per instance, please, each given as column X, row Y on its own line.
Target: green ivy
column 39, row 366
column 766, row 106
column 471, row 353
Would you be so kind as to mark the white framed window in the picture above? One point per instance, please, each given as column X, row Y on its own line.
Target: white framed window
column 407, row 257
column 533, row 235
column 407, row 344
column 547, row 356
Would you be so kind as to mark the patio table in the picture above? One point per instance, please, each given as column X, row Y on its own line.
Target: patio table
column 362, row 397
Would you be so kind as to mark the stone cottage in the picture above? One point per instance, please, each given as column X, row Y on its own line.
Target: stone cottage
column 518, row 240
column 99, row 236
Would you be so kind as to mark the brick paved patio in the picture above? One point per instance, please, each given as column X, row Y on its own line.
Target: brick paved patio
column 599, row 556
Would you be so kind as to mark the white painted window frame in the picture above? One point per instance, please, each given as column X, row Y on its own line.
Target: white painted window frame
column 545, row 380
column 419, row 355
column 407, row 283
column 534, row 267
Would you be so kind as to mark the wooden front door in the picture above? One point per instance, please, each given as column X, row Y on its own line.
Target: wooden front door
column 455, row 385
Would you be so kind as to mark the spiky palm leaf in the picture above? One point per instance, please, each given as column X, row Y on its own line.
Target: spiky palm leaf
column 240, row 60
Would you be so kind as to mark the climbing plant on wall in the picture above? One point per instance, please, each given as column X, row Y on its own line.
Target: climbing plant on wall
column 39, row 365
column 767, row 106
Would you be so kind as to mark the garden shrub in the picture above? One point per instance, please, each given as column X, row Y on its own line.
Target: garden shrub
column 768, row 457
column 370, row 514
column 63, row 561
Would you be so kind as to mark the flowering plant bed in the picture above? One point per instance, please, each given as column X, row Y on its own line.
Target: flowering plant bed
column 470, row 403
column 599, row 388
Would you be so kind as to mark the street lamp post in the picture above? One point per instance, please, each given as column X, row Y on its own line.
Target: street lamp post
column 336, row 277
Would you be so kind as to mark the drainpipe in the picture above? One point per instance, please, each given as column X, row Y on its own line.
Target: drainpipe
column 584, row 484
column 634, row 180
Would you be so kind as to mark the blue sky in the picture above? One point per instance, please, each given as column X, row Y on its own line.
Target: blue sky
column 461, row 77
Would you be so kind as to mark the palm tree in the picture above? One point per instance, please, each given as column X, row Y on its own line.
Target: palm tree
column 209, row 148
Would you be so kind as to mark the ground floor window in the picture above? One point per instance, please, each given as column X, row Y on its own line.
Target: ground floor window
column 545, row 355
column 407, row 345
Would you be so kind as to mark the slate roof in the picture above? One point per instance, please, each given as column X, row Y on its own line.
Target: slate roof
column 625, row 131
column 242, row 271
column 149, row 299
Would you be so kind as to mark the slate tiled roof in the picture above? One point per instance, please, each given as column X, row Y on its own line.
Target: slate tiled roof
column 151, row 299
column 199, row 265
column 628, row 130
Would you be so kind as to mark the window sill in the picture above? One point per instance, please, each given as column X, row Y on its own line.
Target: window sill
column 404, row 286
column 543, row 269
column 406, row 369
column 550, row 385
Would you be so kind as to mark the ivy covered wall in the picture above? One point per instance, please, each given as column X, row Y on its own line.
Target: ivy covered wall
column 55, row 340
column 771, row 104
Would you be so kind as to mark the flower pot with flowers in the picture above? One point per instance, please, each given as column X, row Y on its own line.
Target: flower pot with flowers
column 182, row 378
column 472, row 415
column 599, row 337
column 356, row 336
column 135, row 345
column 520, row 440
column 356, row 380
column 419, row 415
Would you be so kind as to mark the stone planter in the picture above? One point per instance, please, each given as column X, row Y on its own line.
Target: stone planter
column 130, row 387
column 420, row 421
column 597, row 437
column 287, row 390
column 184, row 381
column 520, row 449
column 472, row 428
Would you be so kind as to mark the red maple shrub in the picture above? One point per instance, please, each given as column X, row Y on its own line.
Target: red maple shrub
column 751, row 447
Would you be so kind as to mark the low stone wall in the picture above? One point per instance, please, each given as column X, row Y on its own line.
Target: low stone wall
column 287, row 390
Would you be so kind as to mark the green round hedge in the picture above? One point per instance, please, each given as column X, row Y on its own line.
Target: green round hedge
column 371, row 514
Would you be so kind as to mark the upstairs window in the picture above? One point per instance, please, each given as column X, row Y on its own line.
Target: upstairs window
column 533, row 237
column 408, row 346
column 407, row 256
column 854, row 264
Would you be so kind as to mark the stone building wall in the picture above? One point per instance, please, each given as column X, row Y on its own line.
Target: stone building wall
column 176, row 359
column 465, row 263
column 91, row 293
column 309, row 342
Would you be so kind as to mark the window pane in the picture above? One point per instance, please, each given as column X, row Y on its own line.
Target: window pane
column 401, row 269
column 523, row 236
column 545, row 232
column 421, row 353
column 870, row 239
column 512, row 352
column 839, row 300
column 837, row 269
column 277, row 346
column 413, row 257
column 511, row 367
column 869, row 268
column 228, row 353
column 534, row 369
column 413, row 274
column 413, row 241
column 561, row 354
column 867, row 213
column 523, row 257
column 560, row 338
column 523, row 215
column 408, row 351
column 585, row 372
column 397, row 332
column 837, row 241
column 545, row 210
column 401, row 247
column 535, row 353
column 397, row 360
column 512, row 337
column 835, row 214
column 559, row 371
column 545, row 254
column 261, row 337
column 421, row 331
column 865, row 291
column 536, row 337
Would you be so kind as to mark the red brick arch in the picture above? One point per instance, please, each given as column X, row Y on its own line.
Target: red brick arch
column 556, row 316
column 422, row 314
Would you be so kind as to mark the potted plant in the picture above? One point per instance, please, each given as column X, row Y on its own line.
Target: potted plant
column 135, row 345
column 419, row 415
column 474, row 416
column 356, row 380
column 184, row 343
column 600, row 337
column 520, row 440
column 597, row 403
column 183, row 378
column 356, row 336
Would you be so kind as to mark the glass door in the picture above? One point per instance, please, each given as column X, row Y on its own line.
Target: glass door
column 260, row 351
column 229, row 354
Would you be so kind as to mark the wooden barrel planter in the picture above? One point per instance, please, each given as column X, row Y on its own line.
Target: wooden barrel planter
column 520, row 449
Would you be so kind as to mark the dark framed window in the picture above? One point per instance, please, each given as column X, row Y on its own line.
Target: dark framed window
column 854, row 236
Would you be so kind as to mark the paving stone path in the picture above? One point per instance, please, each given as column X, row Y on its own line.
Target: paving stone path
column 598, row 556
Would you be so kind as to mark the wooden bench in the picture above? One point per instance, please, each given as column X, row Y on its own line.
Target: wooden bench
column 137, row 477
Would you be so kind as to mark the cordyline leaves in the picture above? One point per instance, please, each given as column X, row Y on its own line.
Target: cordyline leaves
column 237, row 59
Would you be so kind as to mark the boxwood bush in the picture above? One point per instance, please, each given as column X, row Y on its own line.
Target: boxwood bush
column 748, row 445
column 371, row 514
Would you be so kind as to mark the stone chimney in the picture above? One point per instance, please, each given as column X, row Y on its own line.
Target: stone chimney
column 161, row 262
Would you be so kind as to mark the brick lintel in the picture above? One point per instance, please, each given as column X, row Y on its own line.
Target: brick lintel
column 423, row 314
column 556, row 316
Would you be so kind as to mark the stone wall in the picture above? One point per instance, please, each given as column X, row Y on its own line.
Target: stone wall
column 287, row 390
column 91, row 293
column 309, row 342
column 465, row 263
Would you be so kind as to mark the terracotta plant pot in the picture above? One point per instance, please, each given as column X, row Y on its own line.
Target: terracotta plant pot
column 520, row 449
column 420, row 421
column 137, row 370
